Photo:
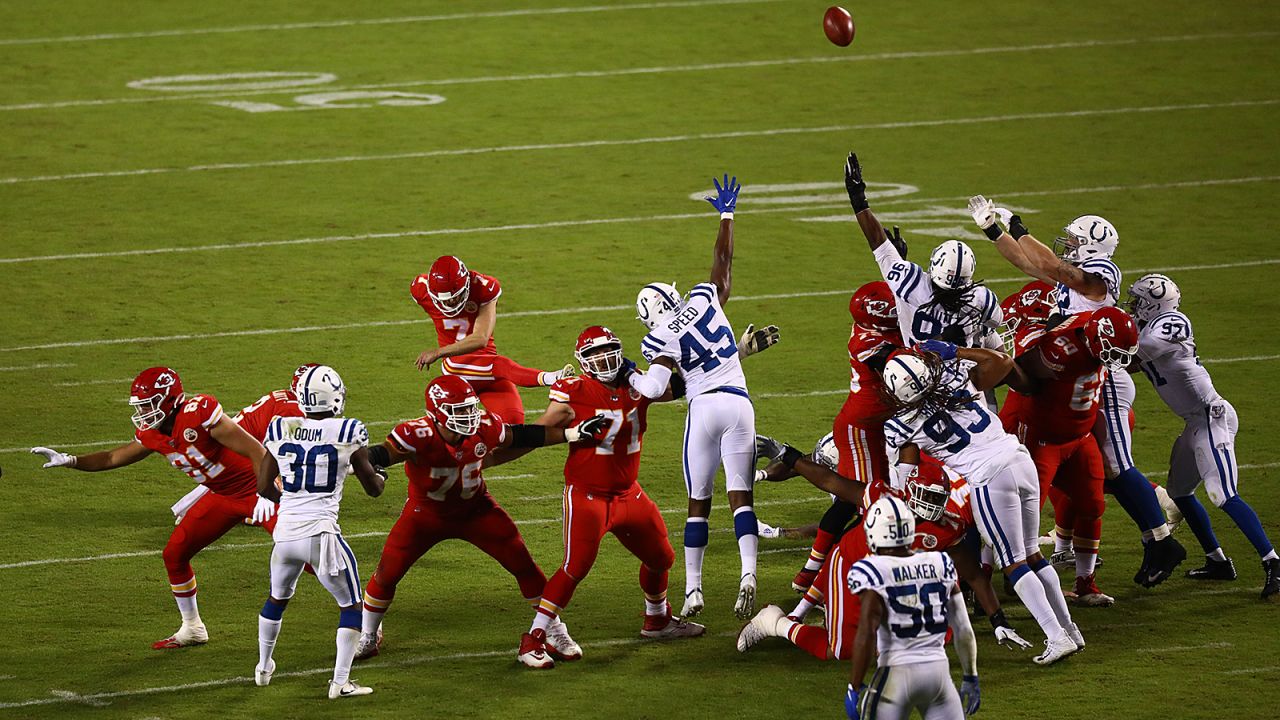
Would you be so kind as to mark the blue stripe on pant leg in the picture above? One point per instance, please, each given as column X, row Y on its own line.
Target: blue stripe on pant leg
column 352, row 571
column 1006, row 558
column 995, row 519
column 982, row 518
column 688, row 480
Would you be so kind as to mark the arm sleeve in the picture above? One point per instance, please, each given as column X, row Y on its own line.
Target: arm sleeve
column 906, row 279
column 653, row 382
column 966, row 643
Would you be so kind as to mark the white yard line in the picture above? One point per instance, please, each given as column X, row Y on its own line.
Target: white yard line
column 635, row 71
column 109, row 381
column 1185, row 648
column 620, row 142
column 35, row 366
column 355, row 22
column 1252, row 671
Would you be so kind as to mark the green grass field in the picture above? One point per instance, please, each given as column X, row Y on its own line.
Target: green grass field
column 144, row 226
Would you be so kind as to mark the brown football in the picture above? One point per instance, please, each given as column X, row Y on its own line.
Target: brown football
column 838, row 25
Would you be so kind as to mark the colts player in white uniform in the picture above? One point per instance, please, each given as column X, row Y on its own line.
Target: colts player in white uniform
column 1087, row 279
column 313, row 455
column 693, row 336
column 908, row 602
column 1205, row 451
column 943, row 303
column 938, row 413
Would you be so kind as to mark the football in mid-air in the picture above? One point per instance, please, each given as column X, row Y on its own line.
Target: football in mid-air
column 838, row 24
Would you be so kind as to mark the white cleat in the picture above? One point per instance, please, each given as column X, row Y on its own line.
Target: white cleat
column 348, row 689
column 693, row 603
column 533, row 651
column 1055, row 650
column 763, row 625
column 559, row 645
column 369, row 646
column 746, row 604
column 674, row 628
column 262, row 676
column 186, row 636
column 1077, row 637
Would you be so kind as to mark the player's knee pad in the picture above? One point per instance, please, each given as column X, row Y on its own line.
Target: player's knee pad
column 272, row 611
column 349, row 618
column 696, row 532
column 1218, row 495
column 744, row 522
column 837, row 517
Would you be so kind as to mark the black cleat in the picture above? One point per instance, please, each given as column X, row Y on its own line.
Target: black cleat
column 1166, row 556
column 1271, row 585
column 1140, row 577
column 1214, row 570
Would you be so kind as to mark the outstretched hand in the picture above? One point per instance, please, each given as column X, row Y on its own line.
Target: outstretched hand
column 854, row 184
column 726, row 198
column 754, row 341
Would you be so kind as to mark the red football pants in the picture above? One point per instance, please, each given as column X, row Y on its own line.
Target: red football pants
column 861, row 448
column 479, row 521
column 843, row 610
column 632, row 518
column 206, row 521
column 1075, row 470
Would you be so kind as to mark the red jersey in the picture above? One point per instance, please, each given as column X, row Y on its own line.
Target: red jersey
column 484, row 290
column 1066, row 405
column 192, row 449
column 255, row 418
column 612, row 466
column 865, row 400
column 441, row 472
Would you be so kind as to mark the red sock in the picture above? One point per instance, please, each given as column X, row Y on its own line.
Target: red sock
column 812, row 639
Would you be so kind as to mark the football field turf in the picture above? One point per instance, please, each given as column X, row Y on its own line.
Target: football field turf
column 233, row 188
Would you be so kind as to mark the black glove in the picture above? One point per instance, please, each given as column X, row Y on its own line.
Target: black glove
column 593, row 429
column 854, row 184
column 895, row 239
column 1016, row 228
column 624, row 372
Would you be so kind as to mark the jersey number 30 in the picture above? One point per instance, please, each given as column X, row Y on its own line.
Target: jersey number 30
column 304, row 467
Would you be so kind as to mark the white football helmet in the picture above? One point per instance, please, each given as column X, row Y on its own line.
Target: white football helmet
column 1152, row 295
column 1088, row 237
column 825, row 452
column 951, row 266
column 656, row 302
column 889, row 523
column 908, row 378
column 320, row 390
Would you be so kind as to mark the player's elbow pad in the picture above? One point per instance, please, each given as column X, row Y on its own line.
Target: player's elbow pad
column 527, row 436
column 379, row 456
column 653, row 382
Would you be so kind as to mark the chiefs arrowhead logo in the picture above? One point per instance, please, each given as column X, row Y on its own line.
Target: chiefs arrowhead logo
column 481, row 450
column 929, row 541
column 437, row 393
column 164, row 380
column 1106, row 328
column 190, row 435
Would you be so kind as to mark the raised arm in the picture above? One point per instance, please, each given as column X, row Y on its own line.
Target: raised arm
column 1031, row 256
column 127, row 454
column 991, row 369
column 872, row 230
column 725, row 201
column 481, row 332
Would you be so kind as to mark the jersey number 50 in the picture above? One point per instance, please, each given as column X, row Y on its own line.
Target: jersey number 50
column 924, row 607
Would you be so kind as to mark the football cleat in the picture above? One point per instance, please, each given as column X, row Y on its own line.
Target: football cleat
column 669, row 627
column 1063, row 558
column 693, row 603
column 559, row 645
column 186, row 636
column 1088, row 594
column 1271, row 583
column 1055, row 650
column 533, row 651
column 763, row 625
column 1077, row 637
column 347, row 689
column 1214, row 570
column 804, row 580
column 1165, row 557
column 369, row 646
column 746, row 603
column 262, row 676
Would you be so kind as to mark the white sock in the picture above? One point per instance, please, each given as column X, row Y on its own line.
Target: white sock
column 1053, row 593
column 348, row 638
column 783, row 627
column 747, row 545
column 693, row 568
column 268, row 631
column 1159, row 532
column 187, row 606
column 1060, row 543
column 370, row 622
column 1085, row 563
column 1030, row 588
column 802, row 608
column 541, row 621
column 1217, row 555
column 1269, row 556
column 652, row 607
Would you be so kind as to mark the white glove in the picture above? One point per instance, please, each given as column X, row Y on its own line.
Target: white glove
column 753, row 342
column 55, row 458
column 1005, row 215
column 1010, row 638
column 263, row 510
column 767, row 531
column 551, row 377
column 983, row 211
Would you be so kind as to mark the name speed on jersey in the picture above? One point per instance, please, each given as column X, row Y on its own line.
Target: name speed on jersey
column 719, row 342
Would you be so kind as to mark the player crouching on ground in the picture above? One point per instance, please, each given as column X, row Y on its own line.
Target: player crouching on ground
column 312, row 456
column 908, row 600
column 601, row 493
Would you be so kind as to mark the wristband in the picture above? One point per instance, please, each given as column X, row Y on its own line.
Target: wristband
column 572, row 435
column 998, row 620
column 726, row 216
column 75, row 459
column 969, row 678
column 1016, row 228
column 789, row 456
column 993, row 231
column 761, row 476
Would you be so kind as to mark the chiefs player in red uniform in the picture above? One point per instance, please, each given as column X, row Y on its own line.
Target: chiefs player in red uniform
column 443, row 453
column 198, row 438
column 601, row 494
column 464, row 306
column 1055, row 423
column 858, row 431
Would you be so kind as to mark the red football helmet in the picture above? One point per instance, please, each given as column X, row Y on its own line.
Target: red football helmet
column 297, row 375
column 873, row 307
column 599, row 352
column 448, row 284
column 1111, row 336
column 155, row 395
column 1034, row 303
column 453, row 403
column 927, row 492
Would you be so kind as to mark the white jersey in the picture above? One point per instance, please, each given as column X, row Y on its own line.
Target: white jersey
column 916, row 590
column 315, row 459
column 701, row 342
column 969, row 439
column 1071, row 302
column 920, row 317
column 1167, row 350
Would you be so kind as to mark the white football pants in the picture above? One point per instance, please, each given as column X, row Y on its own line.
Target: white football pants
column 1115, row 438
column 719, row 429
column 1006, row 510
column 1206, row 451
column 898, row 690
column 331, row 558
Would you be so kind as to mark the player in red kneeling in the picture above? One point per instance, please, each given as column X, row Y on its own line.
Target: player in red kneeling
column 443, row 453
column 464, row 306
column 601, row 494
column 199, row 439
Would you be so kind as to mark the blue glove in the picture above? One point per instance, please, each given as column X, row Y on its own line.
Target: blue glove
column 851, row 702
column 945, row 350
column 726, row 198
column 970, row 697
column 624, row 372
